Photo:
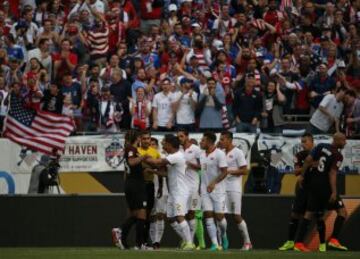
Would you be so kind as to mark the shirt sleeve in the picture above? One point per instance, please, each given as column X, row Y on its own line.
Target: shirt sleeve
column 155, row 101
column 326, row 100
column 240, row 160
column 172, row 159
column 222, row 159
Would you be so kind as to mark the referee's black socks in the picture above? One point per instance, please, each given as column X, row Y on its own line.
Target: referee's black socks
column 339, row 222
column 140, row 232
column 303, row 228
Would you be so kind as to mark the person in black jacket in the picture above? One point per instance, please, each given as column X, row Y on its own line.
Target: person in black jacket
column 247, row 106
column 53, row 100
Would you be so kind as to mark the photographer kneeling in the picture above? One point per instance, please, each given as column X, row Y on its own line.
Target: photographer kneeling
column 44, row 175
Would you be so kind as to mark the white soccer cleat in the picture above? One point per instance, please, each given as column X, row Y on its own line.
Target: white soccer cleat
column 116, row 238
column 247, row 247
column 144, row 248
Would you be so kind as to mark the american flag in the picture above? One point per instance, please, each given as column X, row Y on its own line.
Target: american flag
column 38, row 130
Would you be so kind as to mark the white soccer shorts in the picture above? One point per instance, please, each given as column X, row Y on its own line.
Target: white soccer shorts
column 233, row 202
column 160, row 205
column 215, row 202
column 194, row 202
column 177, row 205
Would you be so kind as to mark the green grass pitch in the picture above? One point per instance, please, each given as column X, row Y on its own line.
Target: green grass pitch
column 109, row 253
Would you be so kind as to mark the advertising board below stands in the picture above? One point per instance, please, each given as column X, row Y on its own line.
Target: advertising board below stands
column 105, row 153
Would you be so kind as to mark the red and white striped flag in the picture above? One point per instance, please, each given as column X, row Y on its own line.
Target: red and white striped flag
column 284, row 4
column 38, row 130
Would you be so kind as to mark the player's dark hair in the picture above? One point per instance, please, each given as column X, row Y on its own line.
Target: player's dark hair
column 186, row 133
column 210, row 136
column 155, row 140
column 227, row 134
column 145, row 132
column 172, row 140
column 308, row 135
column 131, row 136
column 351, row 93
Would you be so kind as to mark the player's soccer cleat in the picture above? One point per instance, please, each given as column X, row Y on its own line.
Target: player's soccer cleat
column 247, row 247
column 182, row 244
column 322, row 247
column 116, row 238
column 200, row 247
column 188, row 247
column 334, row 243
column 156, row 245
column 301, row 247
column 288, row 245
column 225, row 242
column 144, row 248
column 215, row 247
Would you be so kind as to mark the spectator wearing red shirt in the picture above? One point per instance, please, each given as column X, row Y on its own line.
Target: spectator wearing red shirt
column 151, row 12
column 64, row 61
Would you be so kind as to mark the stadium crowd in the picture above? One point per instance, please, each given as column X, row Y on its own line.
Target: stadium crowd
column 189, row 64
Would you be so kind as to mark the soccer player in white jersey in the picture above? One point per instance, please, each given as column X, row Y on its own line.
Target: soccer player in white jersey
column 213, row 196
column 237, row 167
column 178, row 191
column 192, row 157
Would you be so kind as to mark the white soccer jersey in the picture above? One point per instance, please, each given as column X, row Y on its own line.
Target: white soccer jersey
column 235, row 159
column 192, row 155
column 210, row 165
column 163, row 104
column 176, row 174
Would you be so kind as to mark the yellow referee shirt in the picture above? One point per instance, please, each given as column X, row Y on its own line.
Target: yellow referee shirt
column 153, row 153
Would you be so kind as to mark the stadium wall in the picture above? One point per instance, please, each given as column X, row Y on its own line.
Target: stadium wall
column 77, row 220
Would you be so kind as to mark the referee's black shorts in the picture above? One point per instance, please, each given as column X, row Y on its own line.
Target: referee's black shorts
column 150, row 195
column 135, row 194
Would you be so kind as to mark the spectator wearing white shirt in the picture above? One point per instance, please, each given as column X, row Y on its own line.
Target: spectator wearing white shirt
column 42, row 54
column 328, row 113
column 184, row 105
column 31, row 28
column 163, row 115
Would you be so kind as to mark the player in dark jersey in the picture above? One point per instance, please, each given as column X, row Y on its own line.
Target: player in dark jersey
column 135, row 194
column 321, row 187
column 299, row 204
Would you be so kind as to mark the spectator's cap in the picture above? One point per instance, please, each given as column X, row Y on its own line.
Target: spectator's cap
column 173, row 8
column 166, row 79
column 185, row 80
column 138, row 84
column 172, row 54
column 22, row 24
column 341, row 64
column 206, row 73
column 186, row 18
column 196, row 25
column 218, row 44
column 13, row 59
column 324, row 38
column 323, row 65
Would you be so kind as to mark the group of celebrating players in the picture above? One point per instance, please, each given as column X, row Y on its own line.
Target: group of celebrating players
column 186, row 184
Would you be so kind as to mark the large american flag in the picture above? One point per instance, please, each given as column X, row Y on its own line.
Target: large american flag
column 38, row 130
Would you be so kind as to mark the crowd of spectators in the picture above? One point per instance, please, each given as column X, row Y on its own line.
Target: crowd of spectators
column 194, row 64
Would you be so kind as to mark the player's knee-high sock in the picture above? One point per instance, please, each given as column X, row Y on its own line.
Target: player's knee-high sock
column 125, row 229
column 177, row 229
column 184, row 226
column 211, row 228
column 321, row 229
column 293, row 226
column 244, row 232
column 140, row 232
column 302, row 230
column 200, row 232
column 192, row 225
column 222, row 226
column 153, row 231
column 339, row 222
column 160, row 230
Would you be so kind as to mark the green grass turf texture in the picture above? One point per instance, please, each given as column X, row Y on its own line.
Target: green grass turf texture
column 95, row 253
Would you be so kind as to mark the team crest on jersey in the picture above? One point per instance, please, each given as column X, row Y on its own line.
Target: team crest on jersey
column 114, row 154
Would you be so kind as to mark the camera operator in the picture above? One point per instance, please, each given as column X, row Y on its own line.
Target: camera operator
column 44, row 175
